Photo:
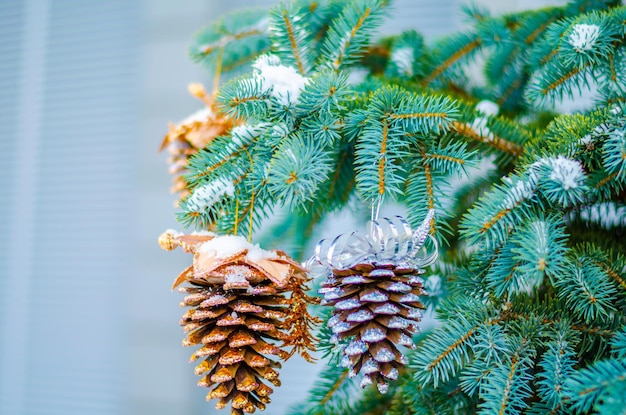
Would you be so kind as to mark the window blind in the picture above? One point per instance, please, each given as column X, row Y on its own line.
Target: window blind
column 68, row 91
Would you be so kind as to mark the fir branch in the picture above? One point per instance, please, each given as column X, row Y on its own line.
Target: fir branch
column 498, row 143
column 491, row 219
column 469, row 45
column 618, row 343
column 297, row 169
column 291, row 38
column 447, row 348
column 507, row 388
column 331, row 394
column 555, row 83
column 349, row 33
column 557, row 364
column 232, row 40
column 587, row 386
column 587, row 291
column 244, row 98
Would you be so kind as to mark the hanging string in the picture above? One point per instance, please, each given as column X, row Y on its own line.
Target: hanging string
column 236, row 216
column 251, row 216
column 376, row 207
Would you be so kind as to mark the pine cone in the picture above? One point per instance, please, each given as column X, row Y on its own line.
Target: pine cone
column 379, row 304
column 240, row 308
column 191, row 135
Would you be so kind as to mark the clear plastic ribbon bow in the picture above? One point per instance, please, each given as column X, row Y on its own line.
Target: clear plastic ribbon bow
column 386, row 240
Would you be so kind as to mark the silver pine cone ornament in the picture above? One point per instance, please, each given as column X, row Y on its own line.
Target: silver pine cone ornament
column 373, row 283
column 246, row 306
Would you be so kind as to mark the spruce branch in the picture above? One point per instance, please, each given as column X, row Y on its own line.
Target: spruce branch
column 235, row 39
column 557, row 364
column 331, row 394
column 349, row 33
column 586, row 387
column 587, row 291
column 450, row 51
column 291, row 38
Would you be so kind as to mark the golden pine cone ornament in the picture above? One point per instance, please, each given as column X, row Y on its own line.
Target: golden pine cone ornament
column 246, row 306
column 191, row 135
column 373, row 283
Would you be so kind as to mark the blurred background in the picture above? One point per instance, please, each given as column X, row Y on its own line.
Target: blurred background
column 88, row 324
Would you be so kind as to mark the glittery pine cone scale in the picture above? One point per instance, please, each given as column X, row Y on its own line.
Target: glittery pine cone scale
column 246, row 305
column 377, row 307
column 236, row 331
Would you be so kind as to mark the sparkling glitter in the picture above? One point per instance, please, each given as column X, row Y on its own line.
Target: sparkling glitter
column 399, row 287
column 415, row 280
column 387, row 308
column 415, row 313
column 334, row 339
column 384, row 355
column 382, row 387
column 373, row 335
column 377, row 273
column 409, row 298
column 398, row 323
column 351, row 373
column 359, row 316
column 333, row 295
column 393, row 374
column 374, row 296
column 371, row 366
column 215, row 299
column 325, row 290
column 354, row 279
column 348, row 304
column 333, row 321
column 356, row 347
column 385, row 264
column 404, row 267
column 345, row 361
column 341, row 327
column 366, row 381
column 406, row 340
column 404, row 360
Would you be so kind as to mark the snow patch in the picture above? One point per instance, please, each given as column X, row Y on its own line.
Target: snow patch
column 236, row 274
column 521, row 191
column 586, row 140
column 583, row 37
column 282, row 82
column 480, row 126
column 606, row 214
column 228, row 245
column 487, row 107
column 243, row 134
column 203, row 233
column 568, row 173
column 209, row 194
column 403, row 59
column 257, row 254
